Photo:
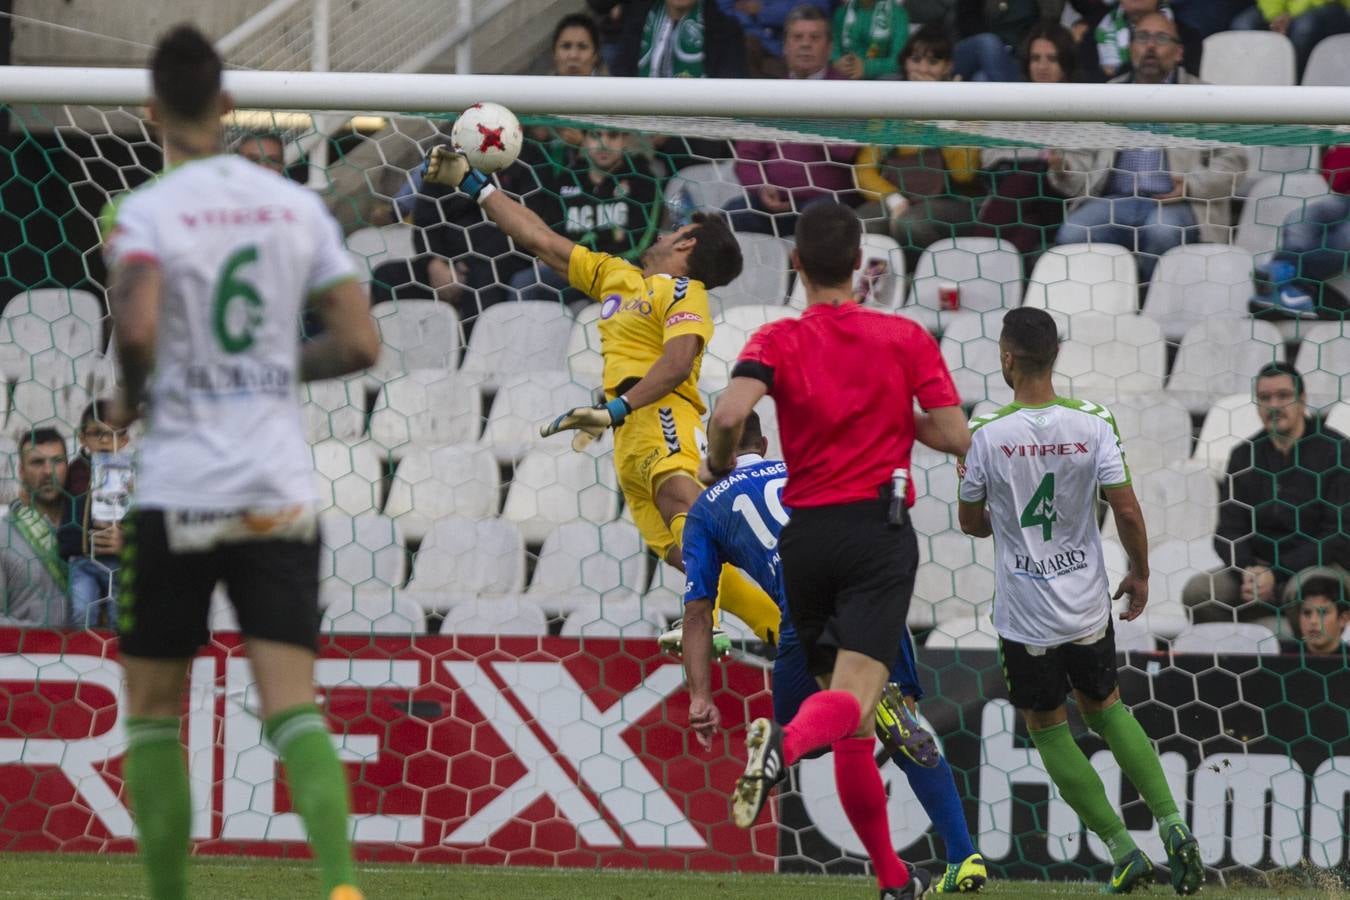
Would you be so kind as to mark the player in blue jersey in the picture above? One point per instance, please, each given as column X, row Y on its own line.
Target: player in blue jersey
column 738, row 521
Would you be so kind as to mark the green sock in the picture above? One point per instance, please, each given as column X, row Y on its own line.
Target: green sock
column 1138, row 760
column 318, row 788
column 1082, row 788
column 157, row 777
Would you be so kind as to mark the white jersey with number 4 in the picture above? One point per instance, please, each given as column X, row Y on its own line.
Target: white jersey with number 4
column 1037, row 469
column 240, row 250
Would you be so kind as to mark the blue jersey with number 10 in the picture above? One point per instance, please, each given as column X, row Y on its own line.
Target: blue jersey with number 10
column 738, row 521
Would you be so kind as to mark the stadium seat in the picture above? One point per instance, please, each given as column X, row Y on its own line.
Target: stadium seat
column 462, row 558
column 1230, row 420
column 1339, row 418
column 360, row 552
column 955, row 577
column 883, row 265
column 1269, row 202
column 1219, row 357
column 612, row 619
column 46, row 403
column 373, row 611
column 425, row 408
column 347, row 476
column 764, row 273
column 1329, row 64
column 44, row 332
column 371, row 246
column 970, row 347
column 514, row 337
column 580, row 564
column 664, row 597
column 730, row 332
column 433, row 482
column 1075, row 278
column 509, row 615
column 1105, row 357
column 1155, row 431
column 1179, row 501
column 1248, row 57
column 414, row 334
column 986, row 271
column 704, row 187
column 584, row 359
column 1171, row 565
column 768, row 424
column 333, row 408
column 1219, row 638
column 1195, row 282
column 1134, row 636
column 1277, row 160
column 522, row 404
column 963, row 633
column 1324, row 361
column 556, row 485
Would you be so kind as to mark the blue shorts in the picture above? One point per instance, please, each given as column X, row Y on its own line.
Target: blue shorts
column 793, row 682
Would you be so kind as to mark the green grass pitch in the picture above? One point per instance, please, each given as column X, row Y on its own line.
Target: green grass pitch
column 71, row 877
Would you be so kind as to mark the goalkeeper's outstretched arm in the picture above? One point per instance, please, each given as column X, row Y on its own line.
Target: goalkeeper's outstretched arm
column 520, row 223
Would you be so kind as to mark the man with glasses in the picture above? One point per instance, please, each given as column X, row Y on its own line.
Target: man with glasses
column 1149, row 199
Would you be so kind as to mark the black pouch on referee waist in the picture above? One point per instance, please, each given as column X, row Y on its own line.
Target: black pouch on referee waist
column 893, row 494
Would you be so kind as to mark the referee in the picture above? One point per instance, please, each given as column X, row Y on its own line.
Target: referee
column 844, row 380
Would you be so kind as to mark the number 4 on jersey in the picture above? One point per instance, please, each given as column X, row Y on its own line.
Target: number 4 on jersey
column 1040, row 509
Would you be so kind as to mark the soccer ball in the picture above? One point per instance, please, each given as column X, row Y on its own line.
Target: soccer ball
column 488, row 134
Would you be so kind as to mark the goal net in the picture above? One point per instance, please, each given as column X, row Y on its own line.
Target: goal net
column 490, row 613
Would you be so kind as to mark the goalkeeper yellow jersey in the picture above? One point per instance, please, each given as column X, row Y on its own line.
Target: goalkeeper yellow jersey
column 638, row 315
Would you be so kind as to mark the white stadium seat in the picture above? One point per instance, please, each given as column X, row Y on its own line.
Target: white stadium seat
column 517, row 336
column 347, row 476
column 1269, row 202
column 580, row 564
column 584, row 359
column 970, row 348
column 955, row 577
column 1277, row 160
column 425, row 408
column 1248, row 57
column 764, row 273
column 1195, row 282
column 707, row 186
column 1075, row 278
column 53, row 327
column 1155, row 431
column 1329, row 64
column 1230, row 420
column 523, row 403
column 1104, row 357
column 987, row 272
column 883, row 266
column 414, row 334
column 463, row 558
column 730, row 332
column 46, row 403
column 1220, row 357
column 1179, row 502
column 963, row 633
column 1171, row 565
column 373, row 611
column 1339, row 417
column 557, row 485
column 509, row 615
column 665, row 595
column 612, row 619
column 333, row 408
column 1324, row 361
column 433, row 482
column 1226, row 637
column 371, row 246
column 360, row 552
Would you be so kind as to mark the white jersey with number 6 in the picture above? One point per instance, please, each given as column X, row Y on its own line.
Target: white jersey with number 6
column 1037, row 469
column 240, row 249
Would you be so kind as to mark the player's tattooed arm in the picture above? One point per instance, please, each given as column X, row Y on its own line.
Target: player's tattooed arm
column 134, row 293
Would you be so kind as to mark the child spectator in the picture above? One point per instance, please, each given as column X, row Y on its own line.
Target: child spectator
column 1321, row 610
column 89, row 544
column 868, row 34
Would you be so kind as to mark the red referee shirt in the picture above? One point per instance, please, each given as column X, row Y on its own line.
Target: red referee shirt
column 844, row 379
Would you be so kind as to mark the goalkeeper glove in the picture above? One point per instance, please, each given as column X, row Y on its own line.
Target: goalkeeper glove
column 589, row 422
column 447, row 166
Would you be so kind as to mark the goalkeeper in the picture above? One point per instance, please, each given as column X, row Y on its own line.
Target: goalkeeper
column 654, row 326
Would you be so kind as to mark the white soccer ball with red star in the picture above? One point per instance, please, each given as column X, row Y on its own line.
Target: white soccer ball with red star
column 488, row 134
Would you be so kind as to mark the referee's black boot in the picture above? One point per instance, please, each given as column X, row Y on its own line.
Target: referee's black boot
column 920, row 884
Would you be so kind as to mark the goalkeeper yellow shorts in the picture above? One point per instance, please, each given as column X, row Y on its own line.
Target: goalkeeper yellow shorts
column 652, row 443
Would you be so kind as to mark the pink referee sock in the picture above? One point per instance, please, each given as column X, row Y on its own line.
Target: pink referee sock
column 863, row 797
column 824, row 718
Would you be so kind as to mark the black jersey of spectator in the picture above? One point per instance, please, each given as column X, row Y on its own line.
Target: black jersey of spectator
column 618, row 215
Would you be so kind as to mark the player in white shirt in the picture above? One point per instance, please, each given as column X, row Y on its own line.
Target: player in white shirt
column 1030, row 479
column 211, row 265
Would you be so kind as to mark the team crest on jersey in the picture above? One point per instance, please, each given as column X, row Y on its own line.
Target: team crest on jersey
column 610, row 305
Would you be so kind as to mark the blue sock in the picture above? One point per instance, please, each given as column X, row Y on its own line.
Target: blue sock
column 936, row 790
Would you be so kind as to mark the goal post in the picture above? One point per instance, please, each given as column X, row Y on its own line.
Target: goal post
column 489, row 663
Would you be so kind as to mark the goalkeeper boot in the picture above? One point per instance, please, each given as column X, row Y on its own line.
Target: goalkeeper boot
column 965, row 877
column 672, row 641
column 920, row 885
column 900, row 731
column 346, row 892
column 764, row 768
column 1128, row 873
column 1183, row 858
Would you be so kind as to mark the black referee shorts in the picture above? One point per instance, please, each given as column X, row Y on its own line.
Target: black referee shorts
column 849, row 577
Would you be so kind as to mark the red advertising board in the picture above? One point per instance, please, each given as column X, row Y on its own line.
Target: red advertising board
column 538, row 751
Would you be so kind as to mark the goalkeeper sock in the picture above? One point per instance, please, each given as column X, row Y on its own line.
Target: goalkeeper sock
column 318, row 788
column 1081, row 787
column 157, row 779
column 1137, row 759
column 935, row 790
column 746, row 601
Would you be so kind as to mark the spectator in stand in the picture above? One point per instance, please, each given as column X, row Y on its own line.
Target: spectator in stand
column 868, row 35
column 1320, row 610
column 1304, row 22
column 763, row 22
column 782, row 179
column 266, row 148
column 1022, row 206
column 576, row 53
column 91, row 548
column 921, row 194
column 679, row 39
column 607, row 200
column 1111, row 36
column 32, row 573
column 1148, row 199
column 1284, row 506
column 608, row 17
column 1314, row 250
column 990, row 30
